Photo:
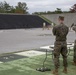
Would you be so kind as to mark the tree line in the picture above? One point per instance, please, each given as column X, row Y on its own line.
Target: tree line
column 21, row 7
column 59, row 11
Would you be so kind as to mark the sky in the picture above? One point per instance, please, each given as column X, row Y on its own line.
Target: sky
column 44, row 5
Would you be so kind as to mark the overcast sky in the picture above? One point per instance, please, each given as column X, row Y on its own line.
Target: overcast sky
column 44, row 5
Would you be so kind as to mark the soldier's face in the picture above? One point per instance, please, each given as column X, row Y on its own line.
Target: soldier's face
column 60, row 20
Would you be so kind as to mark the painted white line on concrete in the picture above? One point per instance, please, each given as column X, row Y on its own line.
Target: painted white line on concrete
column 1, row 62
column 30, row 53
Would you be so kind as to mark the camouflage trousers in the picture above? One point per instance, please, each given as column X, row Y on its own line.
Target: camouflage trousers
column 60, row 48
column 74, row 57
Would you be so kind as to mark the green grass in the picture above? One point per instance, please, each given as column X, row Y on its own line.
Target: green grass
column 45, row 19
column 27, row 66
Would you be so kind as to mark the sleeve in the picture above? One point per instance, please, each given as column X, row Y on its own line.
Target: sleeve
column 54, row 30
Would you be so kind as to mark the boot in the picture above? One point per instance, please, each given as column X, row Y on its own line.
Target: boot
column 65, row 70
column 55, row 72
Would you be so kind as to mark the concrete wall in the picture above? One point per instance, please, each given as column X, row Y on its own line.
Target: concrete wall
column 69, row 18
column 17, row 21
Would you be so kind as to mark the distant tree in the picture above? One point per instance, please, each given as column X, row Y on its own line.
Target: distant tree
column 58, row 10
column 6, row 7
column 1, row 7
column 73, row 8
column 12, row 9
column 39, row 13
column 48, row 12
column 21, row 8
column 35, row 13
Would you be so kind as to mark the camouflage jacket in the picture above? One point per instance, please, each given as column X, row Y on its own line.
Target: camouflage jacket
column 60, row 31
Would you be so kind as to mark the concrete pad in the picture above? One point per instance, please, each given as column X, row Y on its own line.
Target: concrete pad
column 1, row 62
column 30, row 53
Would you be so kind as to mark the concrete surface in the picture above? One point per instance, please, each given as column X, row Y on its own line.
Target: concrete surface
column 27, row 39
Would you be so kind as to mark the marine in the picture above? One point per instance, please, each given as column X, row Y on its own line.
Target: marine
column 60, row 46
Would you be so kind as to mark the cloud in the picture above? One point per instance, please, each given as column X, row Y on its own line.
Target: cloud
column 49, row 5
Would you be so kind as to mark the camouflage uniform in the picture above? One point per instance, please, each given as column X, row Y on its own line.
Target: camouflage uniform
column 74, row 58
column 74, row 28
column 60, row 46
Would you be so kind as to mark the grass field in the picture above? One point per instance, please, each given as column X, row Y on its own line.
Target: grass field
column 27, row 66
